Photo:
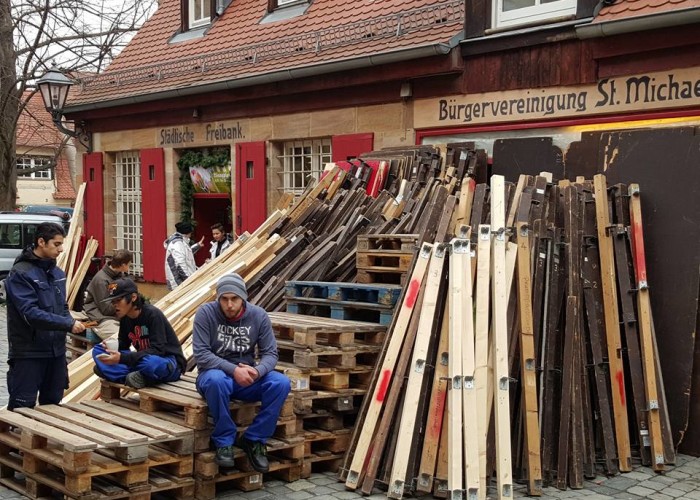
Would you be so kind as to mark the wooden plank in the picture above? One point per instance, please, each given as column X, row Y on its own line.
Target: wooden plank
column 124, row 435
column 528, row 361
column 69, row 441
column 139, row 417
column 417, row 373
column 387, row 368
column 459, row 263
column 481, row 347
column 645, row 330
column 612, row 324
column 501, row 379
column 91, row 435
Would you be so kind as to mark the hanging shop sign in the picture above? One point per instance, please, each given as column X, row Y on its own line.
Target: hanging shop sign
column 212, row 179
column 648, row 91
column 200, row 134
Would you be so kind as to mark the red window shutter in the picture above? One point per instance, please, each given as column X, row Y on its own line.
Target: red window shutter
column 153, row 214
column 251, row 186
column 93, row 200
column 345, row 147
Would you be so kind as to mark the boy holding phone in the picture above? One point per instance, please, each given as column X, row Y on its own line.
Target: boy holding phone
column 157, row 355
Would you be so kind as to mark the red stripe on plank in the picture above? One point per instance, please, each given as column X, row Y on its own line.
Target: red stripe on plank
column 383, row 385
column 412, row 293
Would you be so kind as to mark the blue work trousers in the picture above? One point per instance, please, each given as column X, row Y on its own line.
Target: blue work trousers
column 27, row 377
column 153, row 368
column 219, row 388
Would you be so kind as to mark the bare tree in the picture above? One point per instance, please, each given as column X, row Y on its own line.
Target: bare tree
column 80, row 35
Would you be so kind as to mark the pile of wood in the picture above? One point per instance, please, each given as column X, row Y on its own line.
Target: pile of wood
column 314, row 238
column 534, row 366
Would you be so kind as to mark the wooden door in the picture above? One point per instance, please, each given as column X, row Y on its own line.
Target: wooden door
column 93, row 204
column 153, row 212
column 251, row 186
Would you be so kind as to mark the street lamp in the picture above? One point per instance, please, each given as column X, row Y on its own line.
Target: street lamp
column 54, row 87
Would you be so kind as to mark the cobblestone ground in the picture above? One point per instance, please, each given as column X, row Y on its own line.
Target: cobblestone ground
column 679, row 482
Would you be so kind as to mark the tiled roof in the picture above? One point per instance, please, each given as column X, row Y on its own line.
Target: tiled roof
column 35, row 129
column 238, row 46
column 625, row 9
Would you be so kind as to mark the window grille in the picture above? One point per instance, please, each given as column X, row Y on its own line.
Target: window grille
column 24, row 162
column 127, row 198
column 301, row 160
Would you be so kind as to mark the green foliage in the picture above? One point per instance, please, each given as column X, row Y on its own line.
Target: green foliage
column 205, row 157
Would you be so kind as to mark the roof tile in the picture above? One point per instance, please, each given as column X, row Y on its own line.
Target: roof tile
column 624, row 9
column 237, row 45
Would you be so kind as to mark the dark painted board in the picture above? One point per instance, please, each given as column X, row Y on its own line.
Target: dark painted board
column 528, row 156
column 664, row 162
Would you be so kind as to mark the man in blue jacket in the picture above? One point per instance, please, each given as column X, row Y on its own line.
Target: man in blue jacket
column 37, row 322
column 225, row 335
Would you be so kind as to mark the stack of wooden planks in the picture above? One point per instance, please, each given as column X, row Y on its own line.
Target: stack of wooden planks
column 510, row 322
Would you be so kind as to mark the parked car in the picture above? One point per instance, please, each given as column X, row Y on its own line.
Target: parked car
column 44, row 209
column 16, row 233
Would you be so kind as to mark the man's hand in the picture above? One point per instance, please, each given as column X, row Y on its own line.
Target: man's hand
column 113, row 357
column 245, row 375
column 201, row 242
column 77, row 327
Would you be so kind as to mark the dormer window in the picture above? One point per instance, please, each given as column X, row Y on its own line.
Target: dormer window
column 517, row 12
column 273, row 5
column 199, row 13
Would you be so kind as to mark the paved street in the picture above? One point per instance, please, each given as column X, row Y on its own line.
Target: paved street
column 681, row 481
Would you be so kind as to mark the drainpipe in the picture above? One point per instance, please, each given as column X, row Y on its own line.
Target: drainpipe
column 640, row 23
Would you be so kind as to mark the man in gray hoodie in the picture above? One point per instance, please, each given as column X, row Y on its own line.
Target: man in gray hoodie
column 225, row 335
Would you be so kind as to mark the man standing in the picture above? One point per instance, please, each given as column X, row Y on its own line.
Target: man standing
column 225, row 335
column 179, row 255
column 96, row 307
column 158, row 354
column 220, row 242
column 37, row 322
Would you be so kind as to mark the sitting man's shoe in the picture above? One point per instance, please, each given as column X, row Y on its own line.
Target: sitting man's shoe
column 224, row 457
column 135, row 380
column 257, row 454
column 96, row 370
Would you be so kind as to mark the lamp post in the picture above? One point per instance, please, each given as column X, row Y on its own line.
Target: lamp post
column 54, row 87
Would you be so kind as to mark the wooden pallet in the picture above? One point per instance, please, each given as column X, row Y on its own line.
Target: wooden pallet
column 403, row 242
column 380, row 295
column 385, row 276
column 345, row 357
column 208, row 474
column 49, row 483
column 306, row 402
column 384, row 260
column 326, row 378
column 337, row 309
column 312, row 331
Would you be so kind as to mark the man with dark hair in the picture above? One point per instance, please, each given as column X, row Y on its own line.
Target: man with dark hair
column 158, row 354
column 37, row 322
column 96, row 308
column 225, row 336
column 220, row 242
column 179, row 255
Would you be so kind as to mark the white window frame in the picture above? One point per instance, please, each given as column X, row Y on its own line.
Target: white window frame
column 284, row 3
column 301, row 159
column 127, row 200
column 26, row 161
column 536, row 13
column 191, row 10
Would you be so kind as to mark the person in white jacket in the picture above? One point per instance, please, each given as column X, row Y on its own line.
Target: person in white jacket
column 220, row 241
column 179, row 255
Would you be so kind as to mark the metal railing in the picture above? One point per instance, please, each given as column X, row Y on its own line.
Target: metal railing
column 384, row 27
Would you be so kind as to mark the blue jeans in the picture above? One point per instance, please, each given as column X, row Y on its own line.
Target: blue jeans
column 219, row 388
column 27, row 377
column 154, row 368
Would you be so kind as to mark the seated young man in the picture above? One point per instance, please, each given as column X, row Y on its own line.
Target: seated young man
column 225, row 334
column 158, row 354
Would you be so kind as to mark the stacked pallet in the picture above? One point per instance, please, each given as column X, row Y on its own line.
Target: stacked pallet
column 94, row 450
column 493, row 372
column 385, row 258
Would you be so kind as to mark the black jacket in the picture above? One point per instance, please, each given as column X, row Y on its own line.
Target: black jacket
column 37, row 312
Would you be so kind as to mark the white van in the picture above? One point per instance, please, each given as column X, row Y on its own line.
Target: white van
column 17, row 232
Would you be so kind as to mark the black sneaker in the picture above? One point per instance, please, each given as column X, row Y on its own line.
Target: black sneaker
column 224, row 457
column 256, row 452
column 135, row 380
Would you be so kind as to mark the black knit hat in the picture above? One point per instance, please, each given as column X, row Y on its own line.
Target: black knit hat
column 184, row 228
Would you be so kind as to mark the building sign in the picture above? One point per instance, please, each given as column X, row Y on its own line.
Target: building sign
column 200, row 134
column 650, row 91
